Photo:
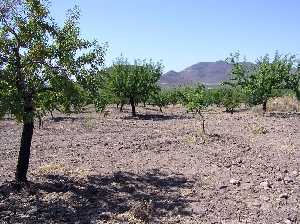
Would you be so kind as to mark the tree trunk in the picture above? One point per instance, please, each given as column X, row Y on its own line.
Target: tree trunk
column 132, row 106
column 229, row 110
column 24, row 153
column 27, row 94
column 51, row 113
column 297, row 91
column 160, row 109
column 203, row 125
column 121, row 107
column 265, row 106
column 203, row 122
column 40, row 122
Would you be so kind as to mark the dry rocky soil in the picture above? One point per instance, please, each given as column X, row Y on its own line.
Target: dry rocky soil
column 157, row 168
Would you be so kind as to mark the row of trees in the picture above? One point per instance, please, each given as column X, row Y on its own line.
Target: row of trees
column 45, row 67
column 250, row 84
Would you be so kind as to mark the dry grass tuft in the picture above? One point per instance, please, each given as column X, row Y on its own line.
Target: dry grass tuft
column 259, row 130
column 284, row 104
column 51, row 169
column 140, row 213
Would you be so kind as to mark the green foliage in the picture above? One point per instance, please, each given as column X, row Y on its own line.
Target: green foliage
column 240, row 70
column 174, row 96
column 196, row 99
column 181, row 94
column 42, row 61
column 160, row 98
column 269, row 76
column 102, row 99
column 214, row 96
column 48, row 102
column 42, row 66
column 265, row 78
column 8, row 97
column 231, row 97
column 133, row 82
column 292, row 82
column 74, row 99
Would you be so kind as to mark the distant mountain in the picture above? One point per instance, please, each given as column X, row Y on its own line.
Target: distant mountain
column 208, row 73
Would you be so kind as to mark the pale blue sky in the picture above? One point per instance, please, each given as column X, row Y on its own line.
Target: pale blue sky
column 184, row 32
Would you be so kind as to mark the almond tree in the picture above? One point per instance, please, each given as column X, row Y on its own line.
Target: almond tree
column 267, row 76
column 37, row 58
column 133, row 82
column 231, row 97
column 292, row 82
column 196, row 100
column 160, row 99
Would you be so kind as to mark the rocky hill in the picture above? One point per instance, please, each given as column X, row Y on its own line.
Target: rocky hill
column 208, row 73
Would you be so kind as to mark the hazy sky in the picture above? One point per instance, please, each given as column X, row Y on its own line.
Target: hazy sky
column 184, row 32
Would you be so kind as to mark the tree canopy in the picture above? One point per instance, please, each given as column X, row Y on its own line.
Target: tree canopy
column 133, row 81
column 265, row 77
column 39, row 59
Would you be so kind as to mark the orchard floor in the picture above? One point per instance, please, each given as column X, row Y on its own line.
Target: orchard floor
column 159, row 168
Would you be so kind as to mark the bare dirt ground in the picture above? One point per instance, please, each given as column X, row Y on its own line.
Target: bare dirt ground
column 90, row 168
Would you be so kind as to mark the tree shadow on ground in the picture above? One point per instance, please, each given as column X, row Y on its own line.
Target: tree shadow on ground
column 62, row 199
column 284, row 114
column 151, row 108
column 64, row 118
column 235, row 110
column 155, row 117
column 7, row 119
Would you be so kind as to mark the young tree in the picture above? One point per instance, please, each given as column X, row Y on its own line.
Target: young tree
column 214, row 96
column 196, row 100
column 37, row 59
column 133, row 82
column 231, row 97
column 160, row 99
column 174, row 97
column 48, row 102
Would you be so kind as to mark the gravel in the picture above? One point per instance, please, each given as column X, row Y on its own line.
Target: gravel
column 157, row 168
